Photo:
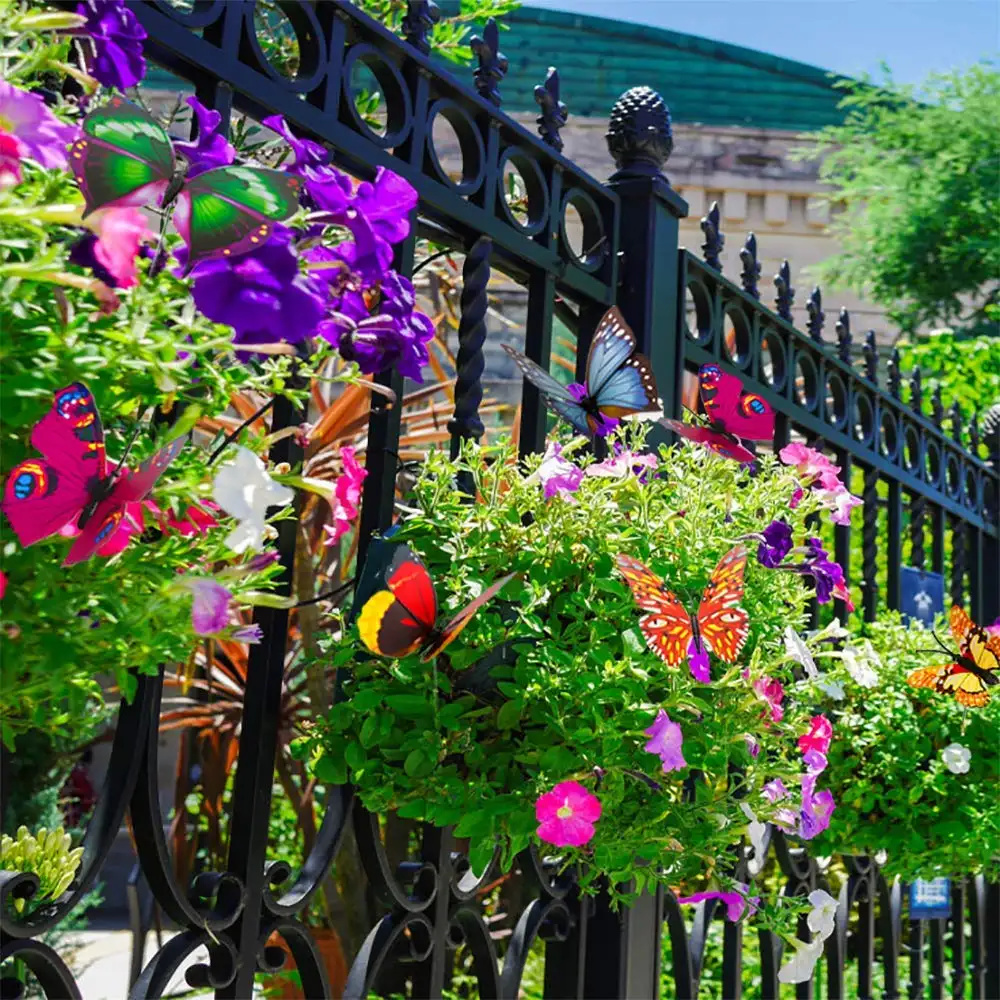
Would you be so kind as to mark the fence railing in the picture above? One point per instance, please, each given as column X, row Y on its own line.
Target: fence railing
column 684, row 312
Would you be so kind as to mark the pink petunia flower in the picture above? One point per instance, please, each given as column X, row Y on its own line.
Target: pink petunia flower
column 3, row 584
column 195, row 520
column 42, row 136
column 347, row 496
column 558, row 475
column 841, row 501
column 209, row 605
column 567, row 814
column 11, row 153
column 120, row 233
column 665, row 741
column 736, row 902
column 819, row 736
column 619, row 466
column 809, row 463
column 841, row 592
column 772, row 692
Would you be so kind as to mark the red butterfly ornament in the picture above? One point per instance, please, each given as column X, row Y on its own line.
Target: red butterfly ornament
column 71, row 484
column 735, row 416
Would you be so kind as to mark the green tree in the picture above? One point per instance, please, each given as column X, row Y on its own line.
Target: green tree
column 918, row 175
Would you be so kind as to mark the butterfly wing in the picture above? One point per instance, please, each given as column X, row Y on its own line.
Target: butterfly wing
column 230, row 210
column 951, row 678
column 667, row 626
column 43, row 495
column 741, row 413
column 398, row 620
column 557, row 396
column 110, row 512
column 123, row 157
column 723, row 624
column 725, row 445
column 452, row 630
column 613, row 344
column 618, row 379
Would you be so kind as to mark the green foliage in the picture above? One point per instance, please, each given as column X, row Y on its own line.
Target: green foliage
column 45, row 853
column 460, row 743
column 917, row 176
column 893, row 790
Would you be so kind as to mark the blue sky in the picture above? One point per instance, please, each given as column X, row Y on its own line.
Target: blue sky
column 914, row 37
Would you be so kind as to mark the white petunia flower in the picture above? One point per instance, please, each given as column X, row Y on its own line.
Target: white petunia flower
column 244, row 490
column 859, row 667
column 757, row 832
column 799, row 968
column 956, row 758
column 796, row 648
column 832, row 689
column 832, row 631
column 823, row 915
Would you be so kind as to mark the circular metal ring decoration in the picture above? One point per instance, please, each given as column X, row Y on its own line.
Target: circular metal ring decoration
column 309, row 38
column 773, row 359
column 536, row 191
column 835, row 403
column 395, row 95
column 911, row 449
column 953, row 476
column 593, row 242
column 863, row 418
column 737, row 335
column 888, row 436
column 698, row 300
column 806, row 386
column 932, row 463
column 199, row 15
column 972, row 485
column 470, row 147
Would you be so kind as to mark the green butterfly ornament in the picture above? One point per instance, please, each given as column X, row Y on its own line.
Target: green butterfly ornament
column 125, row 157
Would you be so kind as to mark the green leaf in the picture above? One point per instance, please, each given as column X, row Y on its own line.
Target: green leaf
column 509, row 715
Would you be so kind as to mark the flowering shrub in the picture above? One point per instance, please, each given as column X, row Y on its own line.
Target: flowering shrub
column 915, row 774
column 47, row 854
column 549, row 721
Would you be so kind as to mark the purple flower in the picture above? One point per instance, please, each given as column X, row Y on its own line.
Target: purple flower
column 260, row 294
column 665, row 741
column 209, row 605
column 386, row 205
column 605, row 425
column 209, row 149
column 698, row 661
column 753, row 747
column 736, row 902
column 558, row 475
column 307, row 153
column 248, row 633
column 826, row 574
column 82, row 253
column 41, row 136
column 815, row 761
column 349, row 266
column 776, row 545
column 817, row 808
column 117, row 37
column 262, row 560
column 775, row 791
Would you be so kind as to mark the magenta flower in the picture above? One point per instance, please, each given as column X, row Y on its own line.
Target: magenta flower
column 776, row 545
column 605, row 425
column 665, row 741
column 262, row 560
column 112, row 248
column 814, row 761
column 558, row 475
column 567, row 814
column 772, row 692
column 210, row 148
column 250, row 634
column 797, row 494
column 819, row 736
column 698, row 661
column 117, row 37
column 347, row 497
column 736, row 902
column 841, row 501
column 809, row 463
column 841, row 593
column 12, row 152
column 41, row 136
column 307, row 152
column 209, row 605
column 775, row 791
column 260, row 294
column 817, row 808
column 994, row 629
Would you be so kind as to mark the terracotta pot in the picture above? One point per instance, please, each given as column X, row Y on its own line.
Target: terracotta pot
column 329, row 946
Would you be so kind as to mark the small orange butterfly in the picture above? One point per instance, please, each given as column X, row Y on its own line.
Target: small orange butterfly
column 974, row 671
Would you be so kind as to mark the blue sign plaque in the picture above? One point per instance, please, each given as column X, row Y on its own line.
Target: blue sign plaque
column 930, row 899
column 922, row 595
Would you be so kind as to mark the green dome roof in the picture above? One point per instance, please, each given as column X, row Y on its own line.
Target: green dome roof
column 704, row 81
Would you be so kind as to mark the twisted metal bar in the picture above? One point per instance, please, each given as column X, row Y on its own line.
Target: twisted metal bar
column 869, row 545
column 958, row 556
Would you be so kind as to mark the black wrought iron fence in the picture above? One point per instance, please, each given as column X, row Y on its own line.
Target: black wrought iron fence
column 684, row 312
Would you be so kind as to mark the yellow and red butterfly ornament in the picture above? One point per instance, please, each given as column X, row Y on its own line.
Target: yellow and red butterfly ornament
column 400, row 617
column 720, row 626
column 972, row 672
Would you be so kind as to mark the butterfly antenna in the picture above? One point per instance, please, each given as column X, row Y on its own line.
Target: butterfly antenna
column 329, row 595
column 429, row 260
column 239, row 430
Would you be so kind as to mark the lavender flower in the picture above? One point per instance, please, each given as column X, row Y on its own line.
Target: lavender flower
column 260, row 294
column 665, row 741
column 117, row 38
column 307, row 153
column 826, row 574
column 248, row 633
column 209, row 149
column 209, row 605
column 558, row 475
column 40, row 135
column 776, row 545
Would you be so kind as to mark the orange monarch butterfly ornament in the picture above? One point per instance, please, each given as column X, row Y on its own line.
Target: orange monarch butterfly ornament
column 974, row 671
column 721, row 626
column 401, row 618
